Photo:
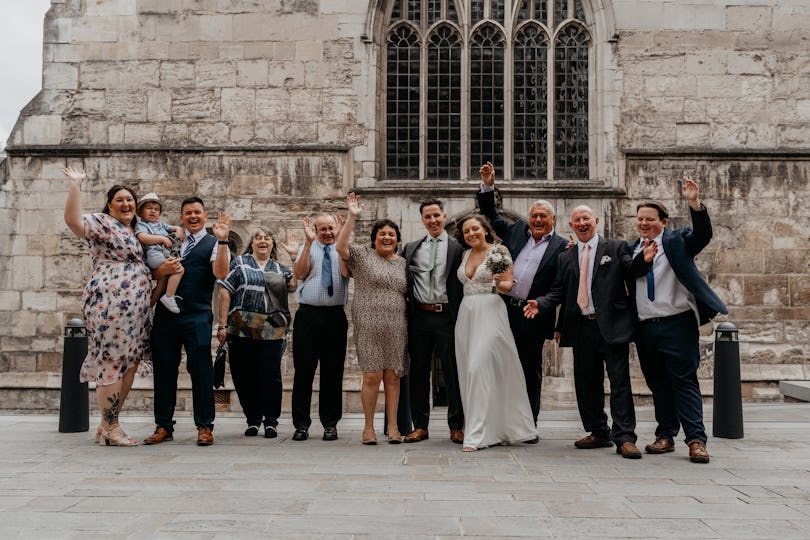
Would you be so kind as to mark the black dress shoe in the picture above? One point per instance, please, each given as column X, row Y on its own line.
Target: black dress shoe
column 252, row 431
column 300, row 435
column 532, row 441
column 330, row 434
column 270, row 432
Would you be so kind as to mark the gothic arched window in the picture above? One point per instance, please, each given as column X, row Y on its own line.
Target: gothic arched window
column 470, row 81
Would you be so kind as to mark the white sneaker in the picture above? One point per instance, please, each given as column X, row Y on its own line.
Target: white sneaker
column 170, row 302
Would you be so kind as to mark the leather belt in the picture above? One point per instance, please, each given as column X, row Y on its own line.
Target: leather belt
column 436, row 308
column 589, row 316
column 512, row 301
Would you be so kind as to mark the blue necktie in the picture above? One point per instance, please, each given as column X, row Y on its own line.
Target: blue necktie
column 651, row 285
column 189, row 245
column 326, row 271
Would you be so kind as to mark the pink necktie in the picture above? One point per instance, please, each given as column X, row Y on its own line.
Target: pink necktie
column 582, row 293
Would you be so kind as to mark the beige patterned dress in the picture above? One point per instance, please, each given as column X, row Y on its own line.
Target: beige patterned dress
column 379, row 310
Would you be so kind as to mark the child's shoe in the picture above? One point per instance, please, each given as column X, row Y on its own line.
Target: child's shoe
column 170, row 302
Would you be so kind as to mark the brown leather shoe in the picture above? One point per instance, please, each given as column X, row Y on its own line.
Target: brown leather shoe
column 205, row 437
column 629, row 450
column 457, row 435
column 160, row 435
column 594, row 441
column 417, row 435
column 662, row 445
column 698, row 452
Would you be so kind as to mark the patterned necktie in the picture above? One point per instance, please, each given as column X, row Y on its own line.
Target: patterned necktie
column 326, row 272
column 189, row 245
column 651, row 285
column 582, row 292
column 431, row 265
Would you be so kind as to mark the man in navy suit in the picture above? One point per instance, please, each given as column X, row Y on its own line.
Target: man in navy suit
column 534, row 247
column 672, row 301
column 598, row 320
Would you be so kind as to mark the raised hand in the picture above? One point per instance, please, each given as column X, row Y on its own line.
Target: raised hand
column 353, row 202
column 530, row 310
column 571, row 242
column 487, row 172
column 75, row 175
column 292, row 244
column 222, row 227
column 650, row 249
column 309, row 229
column 690, row 191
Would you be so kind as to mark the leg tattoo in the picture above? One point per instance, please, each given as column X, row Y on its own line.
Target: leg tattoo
column 110, row 413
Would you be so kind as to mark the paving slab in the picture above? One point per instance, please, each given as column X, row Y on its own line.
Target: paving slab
column 62, row 485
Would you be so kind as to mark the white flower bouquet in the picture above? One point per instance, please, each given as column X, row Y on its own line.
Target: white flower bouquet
column 497, row 261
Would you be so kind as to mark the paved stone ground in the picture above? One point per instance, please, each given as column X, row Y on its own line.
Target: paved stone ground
column 55, row 485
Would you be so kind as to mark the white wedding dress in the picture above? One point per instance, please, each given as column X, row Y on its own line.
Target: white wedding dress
column 493, row 390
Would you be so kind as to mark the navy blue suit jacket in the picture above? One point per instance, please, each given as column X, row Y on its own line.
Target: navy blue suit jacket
column 680, row 247
column 514, row 236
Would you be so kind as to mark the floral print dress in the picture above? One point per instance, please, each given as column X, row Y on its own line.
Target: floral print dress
column 115, row 302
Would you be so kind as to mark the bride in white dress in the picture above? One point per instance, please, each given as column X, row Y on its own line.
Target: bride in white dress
column 493, row 390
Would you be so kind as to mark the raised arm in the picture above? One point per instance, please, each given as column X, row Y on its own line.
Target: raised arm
column 301, row 265
column 73, row 204
column 221, row 230
column 342, row 244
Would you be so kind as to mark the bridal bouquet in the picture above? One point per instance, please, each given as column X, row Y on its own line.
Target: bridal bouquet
column 497, row 261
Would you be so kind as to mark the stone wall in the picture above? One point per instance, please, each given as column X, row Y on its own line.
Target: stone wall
column 270, row 110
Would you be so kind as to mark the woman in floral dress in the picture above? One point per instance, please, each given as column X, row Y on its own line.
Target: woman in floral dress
column 115, row 302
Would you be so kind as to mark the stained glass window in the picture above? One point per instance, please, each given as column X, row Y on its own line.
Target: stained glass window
column 533, row 124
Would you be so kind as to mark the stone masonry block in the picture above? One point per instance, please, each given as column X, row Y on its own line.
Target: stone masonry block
column 26, row 273
column 177, row 27
column 252, row 73
column 293, row 75
column 209, row 134
column 60, row 76
column 94, row 29
column 42, row 130
column 99, row 75
column 129, row 105
column 142, row 133
column 195, row 104
column 140, row 74
column 272, row 104
column 238, row 105
column 159, row 106
column 176, row 74
column 216, row 74
column 309, row 51
column 10, row 300
column 105, row 8
column 767, row 290
column 216, row 27
column 749, row 18
column 258, row 26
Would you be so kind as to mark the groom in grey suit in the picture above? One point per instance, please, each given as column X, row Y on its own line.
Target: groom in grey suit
column 434, row 294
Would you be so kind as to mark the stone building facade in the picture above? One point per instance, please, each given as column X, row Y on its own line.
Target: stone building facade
column 274, row 109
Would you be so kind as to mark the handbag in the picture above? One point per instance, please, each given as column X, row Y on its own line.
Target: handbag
column 219, row 365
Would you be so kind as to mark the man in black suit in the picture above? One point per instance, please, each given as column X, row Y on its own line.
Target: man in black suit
column 434, row 296
column 597, row 319
column 534, row 248
column 673, row 299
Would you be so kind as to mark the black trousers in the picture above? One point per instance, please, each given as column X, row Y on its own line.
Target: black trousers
column 669, row 355
column 256, row 372
column 430, row 332
column 592, row 354
column 170, row 333
column 529, row 341
column 319, row 335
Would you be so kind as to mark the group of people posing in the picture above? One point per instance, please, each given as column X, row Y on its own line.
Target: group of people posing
column 483, row 302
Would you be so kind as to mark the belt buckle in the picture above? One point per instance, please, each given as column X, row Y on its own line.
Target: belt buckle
column 438, row 308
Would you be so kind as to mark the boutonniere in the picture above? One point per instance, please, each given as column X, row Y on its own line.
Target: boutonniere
column 606, row 259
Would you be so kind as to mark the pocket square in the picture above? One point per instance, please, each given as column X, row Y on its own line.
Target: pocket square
column 606, row 259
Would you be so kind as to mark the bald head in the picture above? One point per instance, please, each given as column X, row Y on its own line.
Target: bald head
column 583, row 222
column 326, row 229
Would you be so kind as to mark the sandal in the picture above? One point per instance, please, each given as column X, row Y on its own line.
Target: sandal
column 469, row 449
column 117, row 437
column 394, row 437
column 369, row 441
column 99, row 435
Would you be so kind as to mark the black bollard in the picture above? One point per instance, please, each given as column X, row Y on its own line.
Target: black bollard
column 74, row 411
column 727, row 418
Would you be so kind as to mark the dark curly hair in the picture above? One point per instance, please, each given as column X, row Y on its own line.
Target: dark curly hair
column 384, row 223
column 491, row 237
column 111, row 195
